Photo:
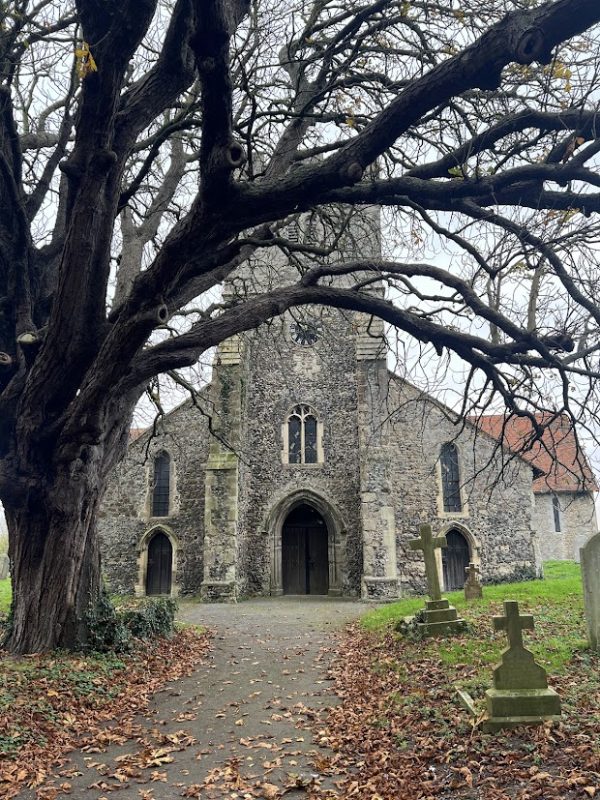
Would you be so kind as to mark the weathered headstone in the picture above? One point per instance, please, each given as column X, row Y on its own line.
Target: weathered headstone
column 473, row 590
column 439, row 617
column 520, row 695
column 4, row 567
column 590, row 574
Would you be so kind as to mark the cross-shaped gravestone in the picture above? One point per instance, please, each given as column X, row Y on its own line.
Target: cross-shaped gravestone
column 518, row 669
column 520, row 695
column 514, row 624
column 472, row 572
column 429, row 544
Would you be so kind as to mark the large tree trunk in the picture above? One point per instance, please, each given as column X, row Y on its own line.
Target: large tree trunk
column 53, row 583
column 54, row 554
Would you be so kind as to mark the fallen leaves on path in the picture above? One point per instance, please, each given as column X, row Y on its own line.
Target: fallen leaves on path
column 398, row 733
column 50, row 704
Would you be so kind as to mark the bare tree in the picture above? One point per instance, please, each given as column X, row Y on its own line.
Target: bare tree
column 151, row 148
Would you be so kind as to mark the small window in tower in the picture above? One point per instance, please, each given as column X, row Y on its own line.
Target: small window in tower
column 450, row 478
column 556, row 513
column 303, row 436
column 161, row 485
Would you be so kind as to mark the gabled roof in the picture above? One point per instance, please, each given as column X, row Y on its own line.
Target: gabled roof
column 559, row 463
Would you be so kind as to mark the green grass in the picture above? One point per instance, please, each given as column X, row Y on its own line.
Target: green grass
column 556, row 603
column 5, row 596
column 562, row 582
column 562, row 569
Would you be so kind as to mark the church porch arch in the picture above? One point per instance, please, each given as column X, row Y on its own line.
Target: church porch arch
column 287, row 509
column 463, row 548
column 143, row 549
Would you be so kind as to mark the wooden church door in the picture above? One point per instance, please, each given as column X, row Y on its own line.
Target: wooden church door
column 304, row 552
column 455, row 559
column 160, row 565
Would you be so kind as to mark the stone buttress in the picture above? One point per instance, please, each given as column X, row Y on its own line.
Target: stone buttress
column 221, row 484
column 380, row 578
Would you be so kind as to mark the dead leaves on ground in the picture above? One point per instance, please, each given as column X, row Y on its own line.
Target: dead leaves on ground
column 52, row 703
column 233, row 781
column 398, row 732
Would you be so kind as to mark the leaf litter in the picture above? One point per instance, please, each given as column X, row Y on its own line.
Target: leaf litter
column 51, row 704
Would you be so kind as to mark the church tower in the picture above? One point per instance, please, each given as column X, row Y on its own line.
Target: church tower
column 297, row 488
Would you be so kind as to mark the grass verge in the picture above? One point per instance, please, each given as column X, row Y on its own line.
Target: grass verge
column 556, row 603
column 399, row 731
column 5, row 596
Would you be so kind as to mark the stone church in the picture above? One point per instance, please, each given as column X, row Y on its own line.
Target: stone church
column 306, row 466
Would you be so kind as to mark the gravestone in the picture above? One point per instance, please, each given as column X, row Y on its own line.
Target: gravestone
column 473, row 590
column 590, row 574
column 4, row 567
column 439, row 617
column 520, row 695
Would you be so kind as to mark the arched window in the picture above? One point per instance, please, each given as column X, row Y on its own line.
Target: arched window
column 556, row 513
column 292, row 231
column 450, row 477
column 303, row 436
column 161, row 485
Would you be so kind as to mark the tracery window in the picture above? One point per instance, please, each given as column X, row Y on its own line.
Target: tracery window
column 292, row 231
column 556, row 513
column 450, row 478
column 303, row 436
column 161, row 485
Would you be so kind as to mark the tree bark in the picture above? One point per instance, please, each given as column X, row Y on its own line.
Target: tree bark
column 55, row 557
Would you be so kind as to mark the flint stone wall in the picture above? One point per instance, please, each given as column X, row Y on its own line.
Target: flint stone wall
column 497, row 496
column 125, row 517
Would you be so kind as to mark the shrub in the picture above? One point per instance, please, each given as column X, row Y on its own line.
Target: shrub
column 106, row 630
column 150, row 617
column 116, row 628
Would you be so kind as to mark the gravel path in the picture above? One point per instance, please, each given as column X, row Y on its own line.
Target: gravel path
column 235, row 718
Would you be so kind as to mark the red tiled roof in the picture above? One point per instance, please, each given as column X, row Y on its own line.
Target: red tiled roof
column 135, row 433
column 556, row 455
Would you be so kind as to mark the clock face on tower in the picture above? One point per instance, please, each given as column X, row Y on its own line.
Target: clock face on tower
column 305, row 332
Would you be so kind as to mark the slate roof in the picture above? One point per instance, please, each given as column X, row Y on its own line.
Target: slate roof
column 560, row 465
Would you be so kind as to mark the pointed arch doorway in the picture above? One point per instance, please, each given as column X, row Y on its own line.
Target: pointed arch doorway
column 160, row 565
column 305, row 552
column 455, row 559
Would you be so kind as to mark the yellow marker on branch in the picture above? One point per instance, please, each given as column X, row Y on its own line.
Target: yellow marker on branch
column 85, row 60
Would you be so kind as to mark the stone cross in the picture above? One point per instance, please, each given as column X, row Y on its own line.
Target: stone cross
column 473, row 590
column 429, row 544
column 514, row 624
column 518, row 670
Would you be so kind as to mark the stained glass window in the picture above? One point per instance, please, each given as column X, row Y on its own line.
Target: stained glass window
column 295, row 439
column 161, row 485
column 310, row 440
column 303, row 434
column 450, row 478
